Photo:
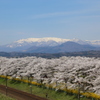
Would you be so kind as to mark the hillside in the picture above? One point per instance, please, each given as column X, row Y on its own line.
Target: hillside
column 53, row 55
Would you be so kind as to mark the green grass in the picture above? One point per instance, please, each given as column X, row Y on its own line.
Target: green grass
column 4, row 97
column 40, row 91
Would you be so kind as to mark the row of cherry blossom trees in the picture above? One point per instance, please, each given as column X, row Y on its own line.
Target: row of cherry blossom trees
column 69, row 70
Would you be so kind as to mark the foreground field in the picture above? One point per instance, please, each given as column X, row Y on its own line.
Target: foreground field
column 3, row 97
column 40, row 91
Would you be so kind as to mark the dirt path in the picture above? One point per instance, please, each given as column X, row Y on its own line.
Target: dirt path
column 19, row 95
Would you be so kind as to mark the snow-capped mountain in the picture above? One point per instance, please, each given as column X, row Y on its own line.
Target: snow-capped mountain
column 44, row 43
column 38, row 42
column 95, row 42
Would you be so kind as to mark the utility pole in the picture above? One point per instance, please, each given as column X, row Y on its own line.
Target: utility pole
column 31, row 77
column 78, row 90
column 28, row 80
column 6, row 84
column 30, row 88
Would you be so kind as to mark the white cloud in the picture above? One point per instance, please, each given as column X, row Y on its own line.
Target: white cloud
column 46, row 15
column 69, row 13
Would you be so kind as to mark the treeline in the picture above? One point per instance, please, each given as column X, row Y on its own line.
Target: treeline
column 48, row 55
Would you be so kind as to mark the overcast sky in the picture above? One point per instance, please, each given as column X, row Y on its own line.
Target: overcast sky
column 21, row 19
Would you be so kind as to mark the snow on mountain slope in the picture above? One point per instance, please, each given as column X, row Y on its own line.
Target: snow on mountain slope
column 30, row 40
column 58, row 40
column 24, row 44
column 95, row 42
column 48, row 41
column 37, row 42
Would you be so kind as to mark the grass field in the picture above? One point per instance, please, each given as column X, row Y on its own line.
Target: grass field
column 4, row 97
column 40, row 91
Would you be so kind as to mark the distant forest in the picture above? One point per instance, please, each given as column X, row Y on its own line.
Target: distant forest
column 49, row 56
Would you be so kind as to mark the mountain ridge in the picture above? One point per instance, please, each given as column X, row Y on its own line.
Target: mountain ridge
column 65, row 47
column 50, row 44
column 57, row 40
